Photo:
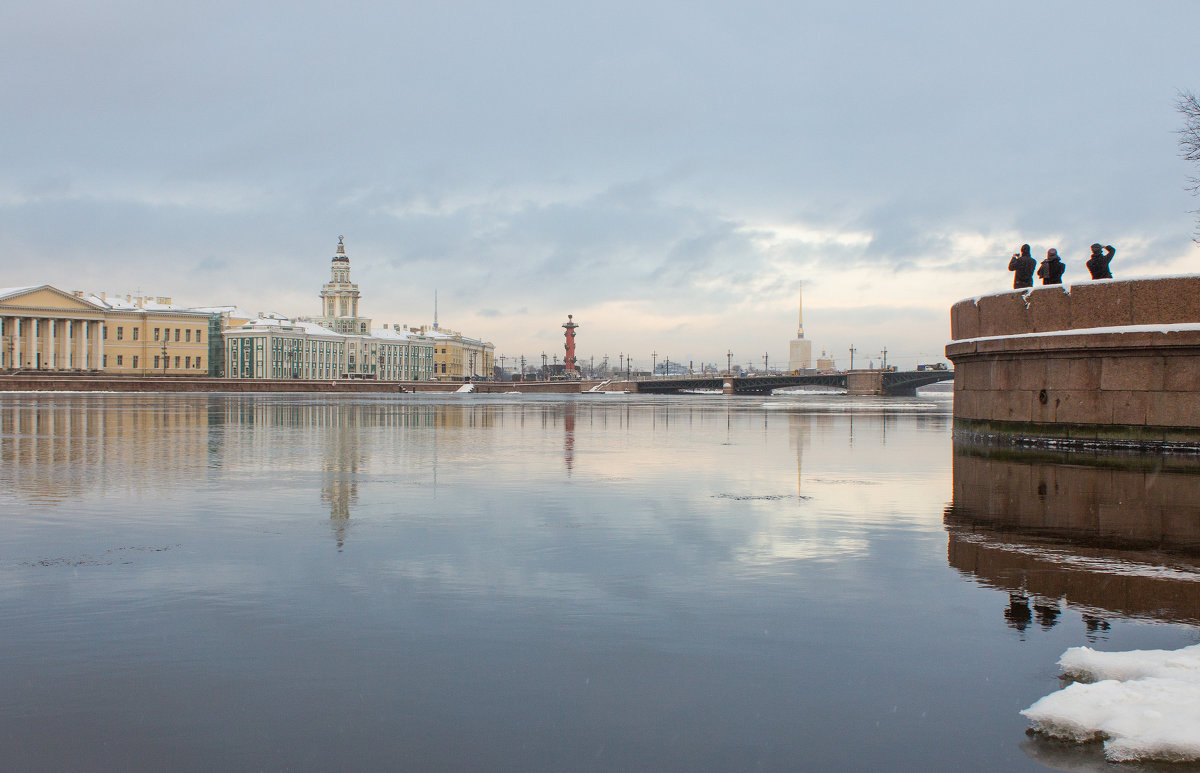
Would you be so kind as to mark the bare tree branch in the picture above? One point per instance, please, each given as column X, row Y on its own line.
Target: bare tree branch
column 1189, row 143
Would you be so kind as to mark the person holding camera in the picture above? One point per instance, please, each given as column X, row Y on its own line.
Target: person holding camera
column 1098, row 263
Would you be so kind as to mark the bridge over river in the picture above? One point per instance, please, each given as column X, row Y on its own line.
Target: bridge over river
column 857, row 382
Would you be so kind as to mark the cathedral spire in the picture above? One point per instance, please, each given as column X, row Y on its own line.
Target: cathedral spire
column 800, row 311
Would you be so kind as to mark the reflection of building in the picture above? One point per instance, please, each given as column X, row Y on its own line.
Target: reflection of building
column 56, row 449
column 1085, row 530
column 44, row 328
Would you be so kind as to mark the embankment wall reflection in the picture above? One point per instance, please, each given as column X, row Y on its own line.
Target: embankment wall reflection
column 1113, row 535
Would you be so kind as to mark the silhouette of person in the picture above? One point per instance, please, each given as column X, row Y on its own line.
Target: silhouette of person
column 1018, row 614
column 1051, row 270
column 1023, row 266
column 1098, row 263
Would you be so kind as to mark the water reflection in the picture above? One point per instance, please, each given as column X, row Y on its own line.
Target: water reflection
column 1115, row 536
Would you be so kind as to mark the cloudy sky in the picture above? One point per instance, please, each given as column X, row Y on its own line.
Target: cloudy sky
column 668, row 172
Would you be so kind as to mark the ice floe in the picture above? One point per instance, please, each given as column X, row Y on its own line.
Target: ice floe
column 1143, row 704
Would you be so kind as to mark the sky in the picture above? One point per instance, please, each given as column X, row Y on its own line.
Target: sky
column 670, row 173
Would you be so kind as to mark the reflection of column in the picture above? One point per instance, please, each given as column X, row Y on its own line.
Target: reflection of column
column 569, row 439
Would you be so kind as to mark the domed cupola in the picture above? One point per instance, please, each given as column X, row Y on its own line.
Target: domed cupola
column 341, row 252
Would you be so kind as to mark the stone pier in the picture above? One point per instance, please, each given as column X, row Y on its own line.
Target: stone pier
column 1109, row 363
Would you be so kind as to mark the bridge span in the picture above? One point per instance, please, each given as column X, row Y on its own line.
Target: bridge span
column 855, row 382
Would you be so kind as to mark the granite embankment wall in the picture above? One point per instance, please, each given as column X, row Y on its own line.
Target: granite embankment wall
column 1106, row 363
column 49, row 382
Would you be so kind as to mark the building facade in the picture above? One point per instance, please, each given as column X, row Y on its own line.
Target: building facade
column 457, row 357
column 276, row 348
column 44, row 328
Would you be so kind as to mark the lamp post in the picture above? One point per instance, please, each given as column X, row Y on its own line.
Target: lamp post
column 653, row 363
column 766, row 367
column 164, row 355
column 729, row 362
column 851, row 356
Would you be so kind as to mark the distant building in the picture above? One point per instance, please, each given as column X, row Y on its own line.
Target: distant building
column 825, row 363
column 799, row 349
column 45, row 328
column 457, row 357
column 339, row 344
column 276, row 348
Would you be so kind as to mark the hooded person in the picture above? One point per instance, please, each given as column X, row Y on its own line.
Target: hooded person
column 1022, row 265
column 1052, row 268
column 1098, row 263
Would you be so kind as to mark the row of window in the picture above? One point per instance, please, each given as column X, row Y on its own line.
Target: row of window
column 160, row 334
column 185, row 363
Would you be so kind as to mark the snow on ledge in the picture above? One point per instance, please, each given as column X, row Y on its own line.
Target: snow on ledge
column 1172, row 327
column 1144, row 704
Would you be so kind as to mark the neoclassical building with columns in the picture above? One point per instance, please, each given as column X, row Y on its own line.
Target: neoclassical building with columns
column 45, row 328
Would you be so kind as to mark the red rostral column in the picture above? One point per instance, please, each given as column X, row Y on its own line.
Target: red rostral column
column 569, row 361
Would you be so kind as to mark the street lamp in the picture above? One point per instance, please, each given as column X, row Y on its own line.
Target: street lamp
column 729, row 362
column 653, row 363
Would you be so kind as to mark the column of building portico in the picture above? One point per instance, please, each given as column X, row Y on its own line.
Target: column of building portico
column 59, row 329
column 96, row 329
column 31, row 331
column 14, row 348
column 79, row 329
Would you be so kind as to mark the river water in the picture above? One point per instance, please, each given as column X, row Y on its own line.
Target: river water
column 508, row 582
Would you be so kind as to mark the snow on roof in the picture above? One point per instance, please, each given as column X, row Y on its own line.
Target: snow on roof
column 392, row 334
column 7, row 291
column 279, row 322
column 1144, row 704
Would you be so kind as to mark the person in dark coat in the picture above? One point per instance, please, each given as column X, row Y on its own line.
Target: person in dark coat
column 1098, row 263
column 1052, row 268
column 1022, row 265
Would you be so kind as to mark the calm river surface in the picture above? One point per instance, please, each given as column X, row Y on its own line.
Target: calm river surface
column 817, row 582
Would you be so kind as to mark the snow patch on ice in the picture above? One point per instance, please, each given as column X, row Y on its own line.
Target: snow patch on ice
column 1144, row 704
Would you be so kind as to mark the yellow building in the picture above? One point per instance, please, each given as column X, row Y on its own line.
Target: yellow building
column 457, row 357
column 44, row 328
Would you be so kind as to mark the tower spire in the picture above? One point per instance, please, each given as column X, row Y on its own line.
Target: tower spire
column 800, row 311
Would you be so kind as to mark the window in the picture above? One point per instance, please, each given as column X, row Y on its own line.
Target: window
column 177, row 339
column 156, row 360
column 197, row 336
column 187, row 362
column 197, row 363
column 135, row 358
column 135, row 336
column 187, row 335
column 120, row 358
column 104, row 332
column 104, row 361
column 177, row 357
column 120, row 335
column 155, row 334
